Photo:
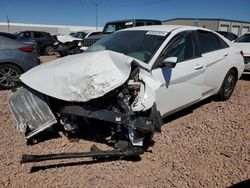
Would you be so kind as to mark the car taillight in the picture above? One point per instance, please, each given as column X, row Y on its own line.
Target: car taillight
column 241, row 52
column 27, row 49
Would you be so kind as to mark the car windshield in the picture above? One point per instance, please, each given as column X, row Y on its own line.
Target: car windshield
column 141, row 45
column 244, row 38
column 112, row 27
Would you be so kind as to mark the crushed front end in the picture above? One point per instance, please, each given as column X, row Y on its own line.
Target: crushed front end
column 129, row 109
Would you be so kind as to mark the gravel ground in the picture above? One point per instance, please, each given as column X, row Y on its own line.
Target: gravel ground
column 207, row 145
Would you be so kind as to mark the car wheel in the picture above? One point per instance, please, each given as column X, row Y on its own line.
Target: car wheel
column 63, row 54
column 227, row 86
column 8, row 71
column 49, row 50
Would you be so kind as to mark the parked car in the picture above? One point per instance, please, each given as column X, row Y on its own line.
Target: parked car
column 111, row 27
column 15, row 58
column 229, row 35
column 82, row 35
column 44, row 40
column 130, row 79
column 27, row 41
column 244, row 43
column 69, row 44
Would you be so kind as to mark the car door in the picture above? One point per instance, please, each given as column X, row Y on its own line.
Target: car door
column 215, row 53
column 38, row 38
column 183, row 84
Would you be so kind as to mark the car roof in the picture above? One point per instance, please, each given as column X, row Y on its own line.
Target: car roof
column 166, row 28
column 32, row 31
column 8, row 34
column 129, row 20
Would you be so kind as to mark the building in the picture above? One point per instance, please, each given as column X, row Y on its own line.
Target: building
column 236, row 27
column 52, row 29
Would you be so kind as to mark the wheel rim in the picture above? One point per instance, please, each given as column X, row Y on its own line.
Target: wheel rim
column 229, row 85
column 50, row 50
column 5, row 74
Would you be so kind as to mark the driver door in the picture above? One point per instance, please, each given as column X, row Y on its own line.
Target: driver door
column 183, row 84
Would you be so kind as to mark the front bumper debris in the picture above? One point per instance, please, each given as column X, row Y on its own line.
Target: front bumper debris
column 31, row 111
column 94, row 152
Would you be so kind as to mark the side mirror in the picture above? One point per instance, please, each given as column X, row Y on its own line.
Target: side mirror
column 169, row 62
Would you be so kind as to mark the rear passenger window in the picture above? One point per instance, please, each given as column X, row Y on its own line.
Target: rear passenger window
column 37, row 35
column 210, row 42
column 25, row 35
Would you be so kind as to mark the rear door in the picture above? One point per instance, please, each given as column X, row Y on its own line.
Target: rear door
column 182, row 85
column 215, row 54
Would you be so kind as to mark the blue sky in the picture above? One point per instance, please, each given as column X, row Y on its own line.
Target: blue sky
column 82, row 12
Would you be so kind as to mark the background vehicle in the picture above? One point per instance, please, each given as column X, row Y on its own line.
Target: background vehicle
column 15, row 58
column 43, row 39
column 129, row 79
column 69, row 44
column 111, row 27
column 230, row 36
column 244, row 43
column 27, row 41
column 82, row 35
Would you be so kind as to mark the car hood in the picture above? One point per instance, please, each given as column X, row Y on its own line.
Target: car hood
column 66, row 38
column 80, row 77
column 96, row 37
column 245, row 47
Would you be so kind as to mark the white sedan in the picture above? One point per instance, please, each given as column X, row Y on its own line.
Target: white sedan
column 191, row 63
column 244, row 43
column 131, row 78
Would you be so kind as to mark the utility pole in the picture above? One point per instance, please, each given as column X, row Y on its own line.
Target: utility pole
column 8, row 23
column 96, row 11
column 96, row 16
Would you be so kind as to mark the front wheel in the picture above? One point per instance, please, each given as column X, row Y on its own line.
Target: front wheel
column 49, row 50
column 227, row 86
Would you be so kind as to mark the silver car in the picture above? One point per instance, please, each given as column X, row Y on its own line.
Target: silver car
column 15, row 58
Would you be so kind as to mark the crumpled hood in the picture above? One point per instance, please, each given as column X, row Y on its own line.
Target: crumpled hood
column 80, row 77
column 66, row 38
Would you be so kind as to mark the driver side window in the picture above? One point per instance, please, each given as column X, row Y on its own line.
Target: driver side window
column 182, row 46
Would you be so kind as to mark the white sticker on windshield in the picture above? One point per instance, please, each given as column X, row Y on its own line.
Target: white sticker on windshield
column 158, row 33
column 129, row 23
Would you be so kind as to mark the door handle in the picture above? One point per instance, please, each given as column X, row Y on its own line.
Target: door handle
column 198, row 67
column 225, row 55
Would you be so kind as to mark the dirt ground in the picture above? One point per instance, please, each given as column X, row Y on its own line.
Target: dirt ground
column 207, row 145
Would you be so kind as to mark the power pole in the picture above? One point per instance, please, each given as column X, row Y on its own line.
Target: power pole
column 8, row 23
column 96, row 11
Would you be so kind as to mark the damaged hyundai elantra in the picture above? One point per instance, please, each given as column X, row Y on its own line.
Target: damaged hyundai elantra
column 131, row 80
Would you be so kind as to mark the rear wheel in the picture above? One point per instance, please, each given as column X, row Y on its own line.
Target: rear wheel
column 49, row 50
column 8, row 71
column 227, row 86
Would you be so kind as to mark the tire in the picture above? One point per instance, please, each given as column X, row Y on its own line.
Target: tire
column 227, row 86
column 6, row 72
column 49, row 50
column 63, row 54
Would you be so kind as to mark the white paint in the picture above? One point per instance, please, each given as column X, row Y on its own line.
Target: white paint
column 146, row 96
column 67, row 38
